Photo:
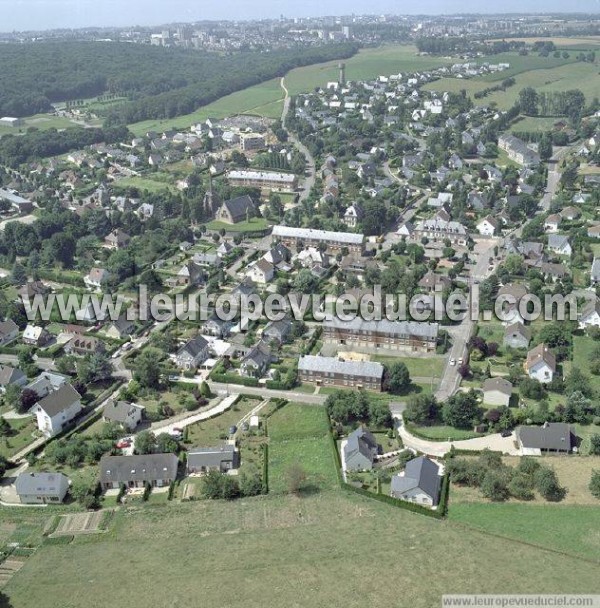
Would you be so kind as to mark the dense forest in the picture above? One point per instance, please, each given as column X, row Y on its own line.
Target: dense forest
column 158, row 82
column 18, row 149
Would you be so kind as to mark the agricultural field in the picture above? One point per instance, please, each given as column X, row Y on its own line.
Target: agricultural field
column 265, row 99
column 365, row 65
column 581, row 76
column 290, row 551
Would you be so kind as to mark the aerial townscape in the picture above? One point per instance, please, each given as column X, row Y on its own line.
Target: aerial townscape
column 236, row 459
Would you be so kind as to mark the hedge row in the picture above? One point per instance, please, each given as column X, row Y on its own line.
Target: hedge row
column 234, row 379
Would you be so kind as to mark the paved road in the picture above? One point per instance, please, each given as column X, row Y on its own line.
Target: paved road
column 553, row 177
column 311, row 172
column 494, row 442
column 308, row 398
column 42, row 362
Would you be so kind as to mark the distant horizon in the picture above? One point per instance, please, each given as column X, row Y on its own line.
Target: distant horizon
column 45, row 15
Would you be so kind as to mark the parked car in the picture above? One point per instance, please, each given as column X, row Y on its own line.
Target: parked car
column 452, row 361
column 505, row 433
column 123, row 443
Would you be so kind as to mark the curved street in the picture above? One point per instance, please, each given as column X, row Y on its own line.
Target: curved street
column 310, row 174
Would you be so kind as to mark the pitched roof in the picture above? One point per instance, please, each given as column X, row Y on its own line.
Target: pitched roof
column 498, row 384
column 361, row 441
column 237, row 207
column 42, row 484
column 193, row 347
column 210, row 457
column 146, row 467
column 119, row 411
column 366, row 369
column 518, row 328
column 550, row 436
column 420, row 473
column 349, row 238
column 392, row 328
column 10, row 375
column 60, row 400
column 538, row 354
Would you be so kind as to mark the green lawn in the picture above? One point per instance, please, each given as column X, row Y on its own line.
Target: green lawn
column 423, row 367
column 209, row 433
column 573, row 529
column 22, row 435
column 263, row 100
column 257, row 223
column 537, row 124
column 583, row 346
column 365, row 65
column 295, row 421
column 43, row 122
column 299, row 434
column 146, row 183
column 304, row 552
column 445, row 433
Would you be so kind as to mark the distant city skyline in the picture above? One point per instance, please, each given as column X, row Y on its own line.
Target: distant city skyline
column 23, row 15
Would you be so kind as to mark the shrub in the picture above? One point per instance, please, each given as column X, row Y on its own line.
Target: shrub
column 520, row 487
column 547, row 485
column 494, row 486
column 595, row 484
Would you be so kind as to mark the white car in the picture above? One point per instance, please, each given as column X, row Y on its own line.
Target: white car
column 460, row 361
column 452, row 361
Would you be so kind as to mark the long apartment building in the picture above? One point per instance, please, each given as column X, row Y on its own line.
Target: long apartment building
column 286, row 182
column 330, row 371
column 335, row 241
column 385, row 335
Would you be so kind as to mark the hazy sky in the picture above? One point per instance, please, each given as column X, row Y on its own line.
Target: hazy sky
column 48, row 14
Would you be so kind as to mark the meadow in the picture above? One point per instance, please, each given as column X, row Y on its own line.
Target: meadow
column 265, row 99
column 583, row 76
column 309, row 551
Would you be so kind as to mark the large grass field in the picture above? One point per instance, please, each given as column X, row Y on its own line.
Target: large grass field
column 365, row 65
column 583, row 346
column 43, row 122
column 265, row 99
column 583, row 76
column 569, row 528
column 304, row 552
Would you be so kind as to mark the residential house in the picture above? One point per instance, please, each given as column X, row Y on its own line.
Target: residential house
column 277, row 331
column 35, row 336
column 190, row 273
column 46, row 383
column 97, row 278
column 261, row 272
column 236, row 210
column 432, row 282
column 487, row 226
column 256, row 362
column 552, row 222
column 570, row 213
column 9, row 332
column 157, row 470
column 420, row 482
column 353, row 215
column 41, row 488
column 83, row 346
column 120, row 329
column 559, row 243
column 594, row 232
column 11, row 376
column 32, row 289
column 127, row 415
column 541, row 364
column 360, row 450
column 550, row 438
column 117, row 239
column 331, row 371
column 221, row 458
column 517, row 335
column 437, row 229
column 57, row 410
column 192, row 353
column 590, row 315
column 518, row 150
column 497, row 391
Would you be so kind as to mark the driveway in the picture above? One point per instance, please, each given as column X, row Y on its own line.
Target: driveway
column 439, row 448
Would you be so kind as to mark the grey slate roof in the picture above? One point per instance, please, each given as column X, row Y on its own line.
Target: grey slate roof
column 59, row 400
column 550, row 436
column 395, row 328
column 210, row 457
column 42, row 484
column 237, row 207
column 498, row 384
column 367, row 369
column 420, row 473
column 322, row 235
column 194, row 347
column 118, row 411
column 146, row 467
column 363, row 441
